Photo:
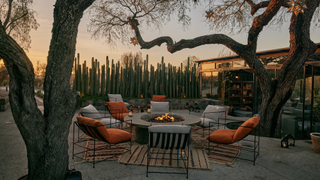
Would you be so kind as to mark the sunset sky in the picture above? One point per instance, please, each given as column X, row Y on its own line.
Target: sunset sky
column 88, row 47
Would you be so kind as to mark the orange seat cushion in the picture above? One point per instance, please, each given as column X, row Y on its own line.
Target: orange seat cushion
column 224, row 136
column 118, row 110
column 117, row 135
column 246, row 128
column 111, row 135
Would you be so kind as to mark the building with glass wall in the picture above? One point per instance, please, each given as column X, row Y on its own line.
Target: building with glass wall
column 231, row 80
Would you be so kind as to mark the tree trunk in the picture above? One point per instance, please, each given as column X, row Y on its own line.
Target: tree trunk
column 276, row 93
column 46, row 136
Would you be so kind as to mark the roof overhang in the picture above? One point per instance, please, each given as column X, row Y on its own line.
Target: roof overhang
column 261, row 54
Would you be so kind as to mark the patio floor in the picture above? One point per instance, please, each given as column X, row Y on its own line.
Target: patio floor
column 274, row 162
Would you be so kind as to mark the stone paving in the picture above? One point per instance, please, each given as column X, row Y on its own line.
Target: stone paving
column 274, row 162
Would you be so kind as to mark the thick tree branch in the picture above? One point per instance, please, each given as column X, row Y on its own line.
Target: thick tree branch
column 8, row 14
column 263, row 4
column 13, row 21
column 27, row 116
column 190, row 43
column 262, row 20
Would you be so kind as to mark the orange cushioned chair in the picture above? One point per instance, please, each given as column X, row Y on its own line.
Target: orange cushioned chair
column 98, row 131
column 158, row 98
column 118, row 110
column 229, row 136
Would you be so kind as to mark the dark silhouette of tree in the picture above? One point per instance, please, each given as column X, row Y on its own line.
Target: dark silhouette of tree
column 45, row 135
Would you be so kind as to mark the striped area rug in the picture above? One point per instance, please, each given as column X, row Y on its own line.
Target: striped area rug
column 220, row 154
column 223, row 154
column 103, row 152
column 197, row 158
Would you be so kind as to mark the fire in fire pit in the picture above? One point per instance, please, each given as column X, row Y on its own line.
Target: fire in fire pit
column 163, row 118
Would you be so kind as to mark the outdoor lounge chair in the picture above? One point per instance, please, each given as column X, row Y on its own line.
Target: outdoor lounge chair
column 173, row 140
column 98, row 132
column 158, row 98
column 225, row 137
column 91, row 112
column 117, row 110
column 117, row 97
column 159, row 106
column 212, row 114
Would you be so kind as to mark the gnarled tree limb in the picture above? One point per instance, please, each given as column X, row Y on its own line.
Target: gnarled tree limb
column 187, row 43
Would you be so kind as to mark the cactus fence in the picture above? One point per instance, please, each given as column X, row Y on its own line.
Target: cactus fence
column 136, row 80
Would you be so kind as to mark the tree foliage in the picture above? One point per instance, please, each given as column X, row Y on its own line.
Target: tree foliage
column 109, row 18
column 18, row 19
column 40, row 74
column 128, row 57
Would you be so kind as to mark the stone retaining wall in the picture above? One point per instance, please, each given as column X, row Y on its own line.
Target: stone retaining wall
column 173, row 103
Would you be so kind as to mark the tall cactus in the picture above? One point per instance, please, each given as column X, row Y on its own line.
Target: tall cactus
column 108, row 82
column 136, row 80
column 132, row 80
column 103, row 81
column 152, row 81
column 146, row 78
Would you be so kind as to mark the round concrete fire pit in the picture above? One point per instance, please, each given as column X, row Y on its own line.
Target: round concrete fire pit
column 141, row 123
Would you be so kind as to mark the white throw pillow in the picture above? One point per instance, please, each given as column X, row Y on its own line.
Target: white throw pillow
column 159, row 106
column 205, row 122
column 90, row 112
column 114, row 122
column 115, row 97
column 213, row 112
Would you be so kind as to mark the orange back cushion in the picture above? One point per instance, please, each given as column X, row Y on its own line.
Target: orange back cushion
column 111, row 135
column 102, row 129
column 246, row 128
column 114, row 107
column 159, row 98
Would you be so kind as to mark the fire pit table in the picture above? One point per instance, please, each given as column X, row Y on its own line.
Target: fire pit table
column 142, row 121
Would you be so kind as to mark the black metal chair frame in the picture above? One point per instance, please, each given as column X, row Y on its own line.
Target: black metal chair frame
column 115, row 99
column 183, row 151
column 119, row 110
column 95, row 135
column 105, row 116
column 255, row 142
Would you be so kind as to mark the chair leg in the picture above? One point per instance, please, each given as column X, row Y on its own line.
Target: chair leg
column 73, row 142
column 94, row 151
column 188, row 162
column 148, row 151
